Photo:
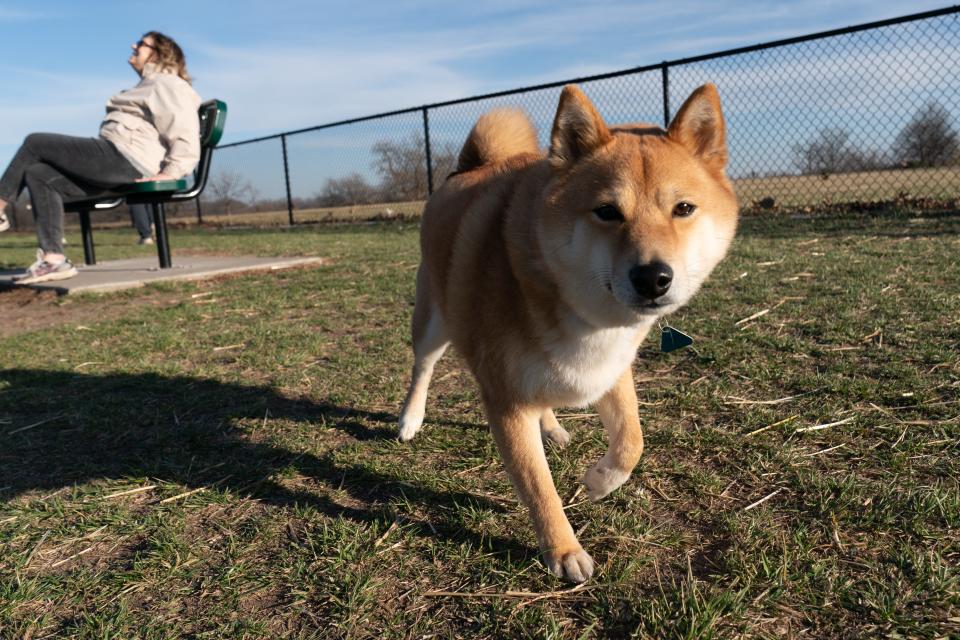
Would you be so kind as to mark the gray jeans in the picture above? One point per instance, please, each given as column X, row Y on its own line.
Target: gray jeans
column 53, row 167
column 142, row 218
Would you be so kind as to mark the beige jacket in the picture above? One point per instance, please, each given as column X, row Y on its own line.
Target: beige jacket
column 155, row 124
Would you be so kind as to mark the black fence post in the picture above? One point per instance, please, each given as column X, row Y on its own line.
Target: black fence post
column 665, row 74
column 199, row 211
column 426, row 144
column 286, row 178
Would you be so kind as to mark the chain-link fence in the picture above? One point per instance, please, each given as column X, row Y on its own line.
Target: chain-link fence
column 863, row 114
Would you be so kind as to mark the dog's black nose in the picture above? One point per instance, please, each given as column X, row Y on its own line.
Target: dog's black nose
column 651, row 280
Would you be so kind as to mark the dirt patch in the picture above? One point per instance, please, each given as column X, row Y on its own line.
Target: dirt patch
column 23, row 310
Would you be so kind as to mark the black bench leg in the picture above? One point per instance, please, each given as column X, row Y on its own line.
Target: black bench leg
column 89, row 257
column 163, row 244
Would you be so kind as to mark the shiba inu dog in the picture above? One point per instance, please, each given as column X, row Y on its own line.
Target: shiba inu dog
column 547, row 271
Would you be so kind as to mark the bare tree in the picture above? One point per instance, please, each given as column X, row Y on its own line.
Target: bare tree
column 229, row 189
column 253, row 198
column 347, row 191
column 403, row 166
column 828, row 153
column 929, row 139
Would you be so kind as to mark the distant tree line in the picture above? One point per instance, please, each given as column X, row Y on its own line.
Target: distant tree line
column 399, row 166
column 402, row 169
column 928, row 140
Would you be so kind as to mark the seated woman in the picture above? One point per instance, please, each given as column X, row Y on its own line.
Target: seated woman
column 150, row 132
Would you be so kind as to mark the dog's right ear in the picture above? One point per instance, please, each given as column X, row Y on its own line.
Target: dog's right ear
column 578, row 128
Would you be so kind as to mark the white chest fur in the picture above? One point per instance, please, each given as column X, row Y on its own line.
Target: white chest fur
column 578, row 367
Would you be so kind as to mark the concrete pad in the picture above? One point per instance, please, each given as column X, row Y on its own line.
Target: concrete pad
column 136, row 272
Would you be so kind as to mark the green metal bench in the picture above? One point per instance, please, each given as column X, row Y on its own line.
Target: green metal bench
column 213, row 116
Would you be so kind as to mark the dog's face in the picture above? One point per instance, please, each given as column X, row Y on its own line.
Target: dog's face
column 636, row 218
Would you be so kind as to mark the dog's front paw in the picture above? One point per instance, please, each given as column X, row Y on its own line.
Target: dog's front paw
column 574, row 565
column 601, row 479
column 557, row 436
column 409, row 425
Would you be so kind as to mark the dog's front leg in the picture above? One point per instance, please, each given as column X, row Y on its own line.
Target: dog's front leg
column 618, row 412
column 517, row 434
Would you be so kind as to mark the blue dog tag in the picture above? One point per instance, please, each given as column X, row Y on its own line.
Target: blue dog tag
column 671, row 339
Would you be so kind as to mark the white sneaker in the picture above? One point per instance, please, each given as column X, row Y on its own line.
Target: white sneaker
column 36, row 263
column 4, row 221
column 43, row 271
column 147, row 240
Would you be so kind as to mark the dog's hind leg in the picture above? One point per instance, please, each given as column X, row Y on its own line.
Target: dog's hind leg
column 518, row 439
column 550, row 429
column 430, row 340
column 618, row 412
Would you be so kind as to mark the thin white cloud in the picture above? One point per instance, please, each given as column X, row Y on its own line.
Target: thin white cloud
column 72, row 104
column 271, row 90
column 21, row 15
column 276, row 89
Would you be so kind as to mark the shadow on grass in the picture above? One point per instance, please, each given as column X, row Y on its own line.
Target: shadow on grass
column 185, row 430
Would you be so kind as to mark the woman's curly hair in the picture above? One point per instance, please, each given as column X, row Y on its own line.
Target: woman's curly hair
column 168, row 55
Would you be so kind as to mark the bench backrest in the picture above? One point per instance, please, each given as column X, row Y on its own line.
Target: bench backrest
column 213, row 118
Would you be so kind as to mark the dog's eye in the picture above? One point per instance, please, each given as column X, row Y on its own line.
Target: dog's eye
column 608, row 213
column 684, row 209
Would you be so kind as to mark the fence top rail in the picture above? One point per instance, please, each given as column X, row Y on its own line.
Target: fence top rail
column 615, row 74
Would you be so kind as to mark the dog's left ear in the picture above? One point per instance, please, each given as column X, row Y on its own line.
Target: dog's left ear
column 578, row 128
column 699, row 127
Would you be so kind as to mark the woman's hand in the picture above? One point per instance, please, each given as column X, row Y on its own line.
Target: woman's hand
column 159, row 176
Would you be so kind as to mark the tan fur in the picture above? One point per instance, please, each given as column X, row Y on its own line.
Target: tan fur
column 546, row 300
column 498, row 135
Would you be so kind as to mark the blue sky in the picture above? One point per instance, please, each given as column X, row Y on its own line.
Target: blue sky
column 294, row 63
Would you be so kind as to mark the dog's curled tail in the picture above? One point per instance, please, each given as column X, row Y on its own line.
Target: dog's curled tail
column 498, row 135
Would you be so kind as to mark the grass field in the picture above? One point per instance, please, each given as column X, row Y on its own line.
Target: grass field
column 217, row 460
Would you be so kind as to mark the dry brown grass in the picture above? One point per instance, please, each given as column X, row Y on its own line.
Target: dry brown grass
column 382, row 211
column 787, row 192
column 874, row 186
